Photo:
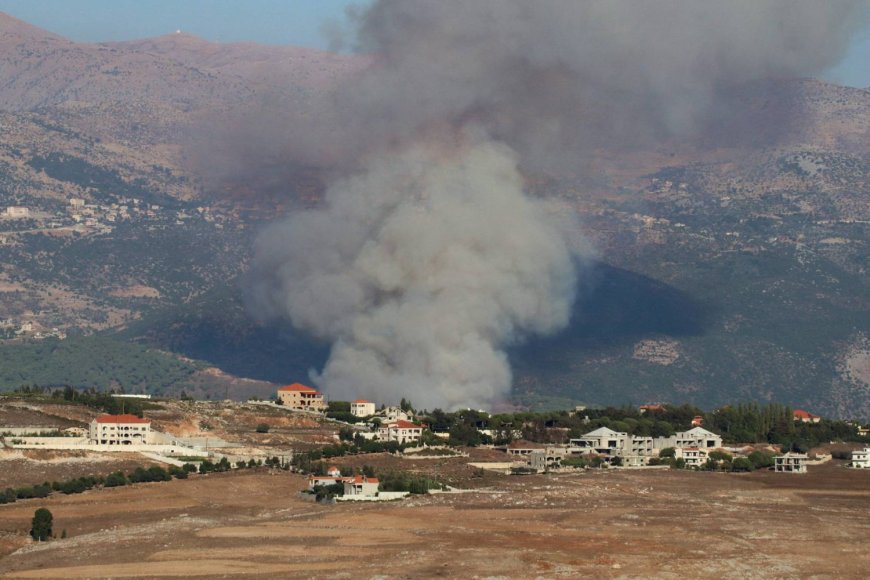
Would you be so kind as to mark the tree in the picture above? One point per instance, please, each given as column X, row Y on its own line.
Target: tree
column 116, row 479
column 41, row 525
column 741, row 464
column 668, row 452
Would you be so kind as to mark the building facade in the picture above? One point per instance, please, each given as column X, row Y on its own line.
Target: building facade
column 119, row 430
column 695, row 437
column 361, row 486
column 301, row 397
column 790, row 463
column 362, row 408
column 400, row 431
column 861, row 458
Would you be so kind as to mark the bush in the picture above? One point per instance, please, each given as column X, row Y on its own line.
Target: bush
column 189, row 467
column 262, row 428
column 116, row 479
column 40, row 529
column 177, row 472
column 760, row 459
column 668, row 452
column 742, row 464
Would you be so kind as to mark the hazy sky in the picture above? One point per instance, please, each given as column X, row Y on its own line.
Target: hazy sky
column 268, row 21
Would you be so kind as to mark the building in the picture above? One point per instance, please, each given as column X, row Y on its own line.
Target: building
column 791, row 463
column 333, row 471
column 119, row 430
column 697, row 421
column 861, row 458
column 693, row 456
column 361, row 486
column 805, row 417
column 651, row 408
column 549, row 457
column 695, row 437
column 395, row 414
column 400, row 431
column 362, row 408
column 606, row 441
column 325, row 480
column 17, row 212
column 76, row 203
column 521, row 447
column 301, row 397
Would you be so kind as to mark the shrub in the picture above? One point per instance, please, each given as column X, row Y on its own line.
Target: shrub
column 189, row 467
column 116, row 479
column 40, row 529
column 668, row 452
column 177, row 472
column 742, row 464
column 262, row 428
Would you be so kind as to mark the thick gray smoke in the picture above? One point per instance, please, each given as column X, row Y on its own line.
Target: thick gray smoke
column 428, row 258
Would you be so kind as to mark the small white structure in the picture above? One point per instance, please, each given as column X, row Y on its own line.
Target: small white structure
column 400, row 431
column 791, row 463
column 394, row 414
column 861, row 458
column 361, row 486
column 119, row 430
column 17, row 212
column 333, row 471
column 362, row 408
column 76, row 203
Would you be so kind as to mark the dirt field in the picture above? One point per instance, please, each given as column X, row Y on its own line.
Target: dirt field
column 594, row 524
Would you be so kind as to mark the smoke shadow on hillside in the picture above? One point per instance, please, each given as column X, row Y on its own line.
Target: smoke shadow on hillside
column 616, row 307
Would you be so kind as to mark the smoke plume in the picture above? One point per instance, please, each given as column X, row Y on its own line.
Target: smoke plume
column 427, row 258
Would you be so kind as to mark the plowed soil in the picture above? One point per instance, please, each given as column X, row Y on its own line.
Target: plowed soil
column 590, row 524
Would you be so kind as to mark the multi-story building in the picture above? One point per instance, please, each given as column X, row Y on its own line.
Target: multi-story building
column 362, row 408
column 361, row 486
column 790, row 463
column 119, row 430
column 861, row 458
column 696, row 437
column 301, row 397
column 693, row 456
column 400, row 431
column 633, row 449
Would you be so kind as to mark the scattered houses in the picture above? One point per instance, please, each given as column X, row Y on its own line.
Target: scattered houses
column 301, row 397
column 791, row 463
column 119, row 430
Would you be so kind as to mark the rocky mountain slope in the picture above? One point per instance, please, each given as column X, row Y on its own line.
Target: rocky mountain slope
column 732, row 264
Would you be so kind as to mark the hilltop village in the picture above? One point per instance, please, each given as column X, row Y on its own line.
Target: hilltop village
column 158, row 479
column 737, row 439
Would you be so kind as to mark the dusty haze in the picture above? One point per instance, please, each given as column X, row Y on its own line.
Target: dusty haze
column 427, row 258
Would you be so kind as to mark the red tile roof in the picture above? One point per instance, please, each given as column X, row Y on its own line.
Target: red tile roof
column 298, row 387
column 363, row 479
column 121, row 419
column 402, row 424
column 361, row 401
column 801, row 414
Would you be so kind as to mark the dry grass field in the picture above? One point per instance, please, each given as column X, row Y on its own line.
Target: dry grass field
column 593, row 524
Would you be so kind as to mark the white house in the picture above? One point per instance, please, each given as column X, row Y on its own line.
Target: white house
column 361, row 486
column 609, row 442
column 400, row 431
column 861, row 458
column 119, row 430
column 790, row 463
column 395, row 414
column 362, row 408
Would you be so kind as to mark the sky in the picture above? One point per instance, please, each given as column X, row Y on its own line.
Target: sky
column 297, row 22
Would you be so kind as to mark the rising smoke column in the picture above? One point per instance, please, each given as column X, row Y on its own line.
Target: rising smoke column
column 419, row 269
column 427, row 258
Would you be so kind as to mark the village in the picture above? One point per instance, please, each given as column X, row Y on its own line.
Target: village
column 360, row 428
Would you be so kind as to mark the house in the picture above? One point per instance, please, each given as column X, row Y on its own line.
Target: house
column 695, row 437
column 861, row 458
column 693, row 456
column 395, row 414
column 542, row 460
column 333, row 471
column 697, row 421
column 400, row 431
column 325, row 480
column 609, row 442
column 361, row 486
column 520, row 447
column 16, row 212
column 632, row 449
column 651, row 408
column 362, row 408
column 119, row 430
column 791, row 463
column 301, row 397
column 805, row 417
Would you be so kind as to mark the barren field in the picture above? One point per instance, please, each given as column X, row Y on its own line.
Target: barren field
column 595, row 524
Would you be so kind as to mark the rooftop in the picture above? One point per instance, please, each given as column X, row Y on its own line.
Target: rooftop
column 298, row 387
column 127, row 418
